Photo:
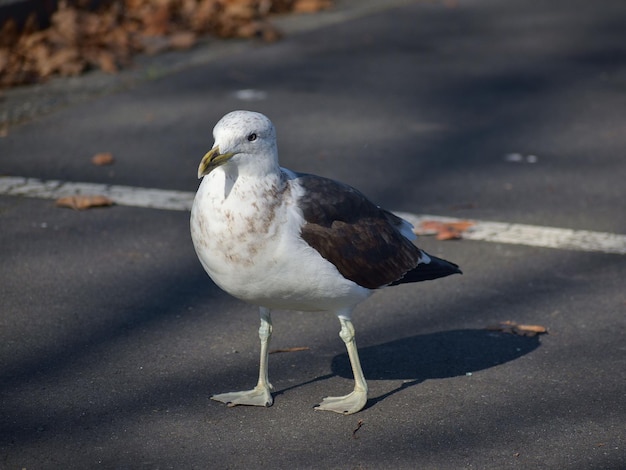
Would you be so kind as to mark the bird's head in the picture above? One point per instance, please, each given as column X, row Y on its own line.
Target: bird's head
column 244, row 139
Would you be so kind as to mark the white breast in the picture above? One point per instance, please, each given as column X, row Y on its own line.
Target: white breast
column 247, row 236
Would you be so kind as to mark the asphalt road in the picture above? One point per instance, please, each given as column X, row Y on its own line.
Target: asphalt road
column 112, row 337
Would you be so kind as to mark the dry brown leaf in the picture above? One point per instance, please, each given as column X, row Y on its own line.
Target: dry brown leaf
column 270, row 34
column 531, row 330
column 106, row 34
column 245, row 11
column 4, row 60
column 103, row 158
column 182, row 40
column 56, row 60
column 66, row 22
column 106, row 61
column 310, row 6
column 294, row 349
column 521, row 330
column 9, row 33
column 202, row 17
column 444, row 230
column 82, row 202
column 71, row 69
column 157, row 20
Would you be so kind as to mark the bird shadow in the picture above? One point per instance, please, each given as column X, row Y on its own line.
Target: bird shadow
column 439, row 355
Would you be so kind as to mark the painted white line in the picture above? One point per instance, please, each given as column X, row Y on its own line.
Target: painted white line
column 498, row 232
column 532, row 235
column 121, row 195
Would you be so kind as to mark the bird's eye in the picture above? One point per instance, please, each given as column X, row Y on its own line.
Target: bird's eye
column 252, row 137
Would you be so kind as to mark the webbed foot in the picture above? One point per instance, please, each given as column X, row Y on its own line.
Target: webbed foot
column 258, row 396
column 346, row 404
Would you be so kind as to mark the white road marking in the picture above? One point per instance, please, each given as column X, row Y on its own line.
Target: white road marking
column 498, row 232
column 533, row 235
column 121, row 195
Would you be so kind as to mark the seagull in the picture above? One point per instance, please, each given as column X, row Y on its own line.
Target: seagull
column 279, row 239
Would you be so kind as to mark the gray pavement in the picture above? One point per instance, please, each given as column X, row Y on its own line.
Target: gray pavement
column 112, row 337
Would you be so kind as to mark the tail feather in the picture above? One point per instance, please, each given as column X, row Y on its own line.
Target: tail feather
column 434, row 269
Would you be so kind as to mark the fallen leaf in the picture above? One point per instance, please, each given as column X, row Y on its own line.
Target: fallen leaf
column 82, row 202
column 101, row 159
column 531, row 330
column 4, row 59
column 106, row 61
column 82, row 35
column 521, row 330
column 444, row 230
column 294, row 349
column 310, row 6
column 157, row 19
column 182, row 40
column 246, row 11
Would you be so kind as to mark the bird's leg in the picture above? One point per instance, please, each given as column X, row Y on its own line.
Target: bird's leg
column 265, row 335
column 356, row 400
column 261, row 394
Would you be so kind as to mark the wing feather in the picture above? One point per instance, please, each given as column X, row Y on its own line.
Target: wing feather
column 362, row 240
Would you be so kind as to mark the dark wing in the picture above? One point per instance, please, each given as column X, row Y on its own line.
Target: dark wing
column 362, row 240
column 434, row 269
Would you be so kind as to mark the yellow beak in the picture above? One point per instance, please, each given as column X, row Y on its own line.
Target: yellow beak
column 212, row 160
